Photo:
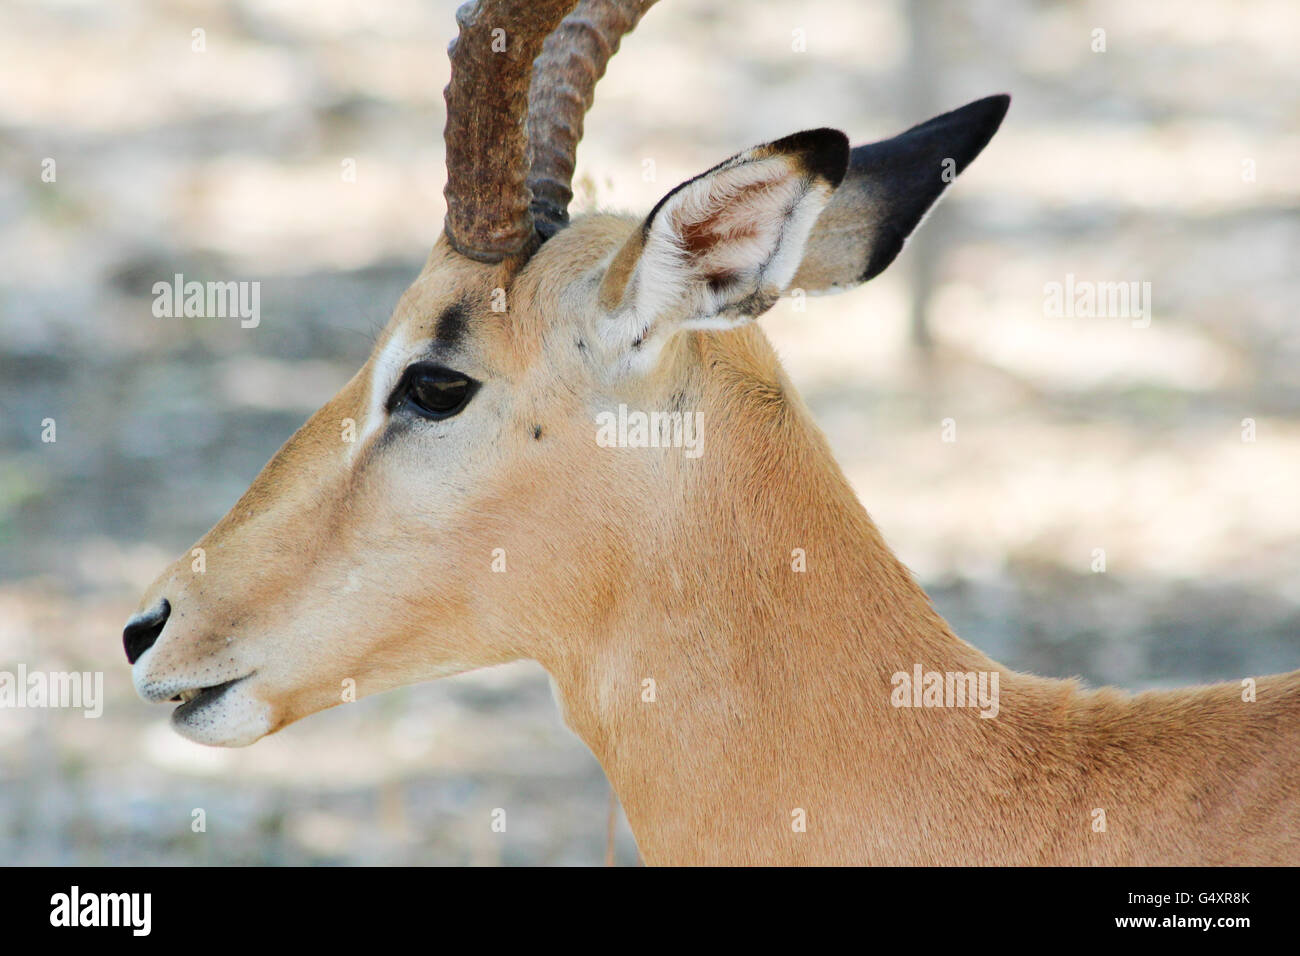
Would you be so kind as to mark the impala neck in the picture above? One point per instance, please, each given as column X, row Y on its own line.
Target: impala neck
column 729, row 689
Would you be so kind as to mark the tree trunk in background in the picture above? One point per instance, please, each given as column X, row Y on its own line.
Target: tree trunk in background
column 919, row 98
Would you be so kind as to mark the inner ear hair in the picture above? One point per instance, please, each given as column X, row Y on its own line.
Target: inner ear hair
column 729, row 240
column 614, row 283
column 719, row 249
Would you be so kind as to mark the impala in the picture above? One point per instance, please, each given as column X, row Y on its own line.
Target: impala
column 726, row 631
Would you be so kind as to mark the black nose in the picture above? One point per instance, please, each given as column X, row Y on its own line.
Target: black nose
column 143, row 629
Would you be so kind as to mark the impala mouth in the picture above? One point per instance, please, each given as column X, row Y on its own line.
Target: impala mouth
column 197, row 698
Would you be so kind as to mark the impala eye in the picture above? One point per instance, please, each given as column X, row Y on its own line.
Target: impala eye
column 433, row 391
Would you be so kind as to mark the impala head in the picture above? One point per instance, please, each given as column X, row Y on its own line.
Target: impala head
column 451, row 506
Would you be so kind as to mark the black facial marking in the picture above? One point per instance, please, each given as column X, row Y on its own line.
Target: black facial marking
column 537, row 432
column 451, row 325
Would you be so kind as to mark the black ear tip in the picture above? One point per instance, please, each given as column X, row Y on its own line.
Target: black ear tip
column 969, row 128
column 830, row 160
column 823, row 152
column 989, row 110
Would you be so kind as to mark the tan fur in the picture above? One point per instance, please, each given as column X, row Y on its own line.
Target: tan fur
column 773, row 687
column 835, row 257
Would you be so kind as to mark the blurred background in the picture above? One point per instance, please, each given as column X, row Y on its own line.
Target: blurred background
column 1169, row 157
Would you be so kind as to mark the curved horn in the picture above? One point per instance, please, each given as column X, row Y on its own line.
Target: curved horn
column 488, row 217
column 572, row 61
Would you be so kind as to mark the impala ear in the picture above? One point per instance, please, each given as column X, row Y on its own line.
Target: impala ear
column 888, row 189
column 719, row 249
